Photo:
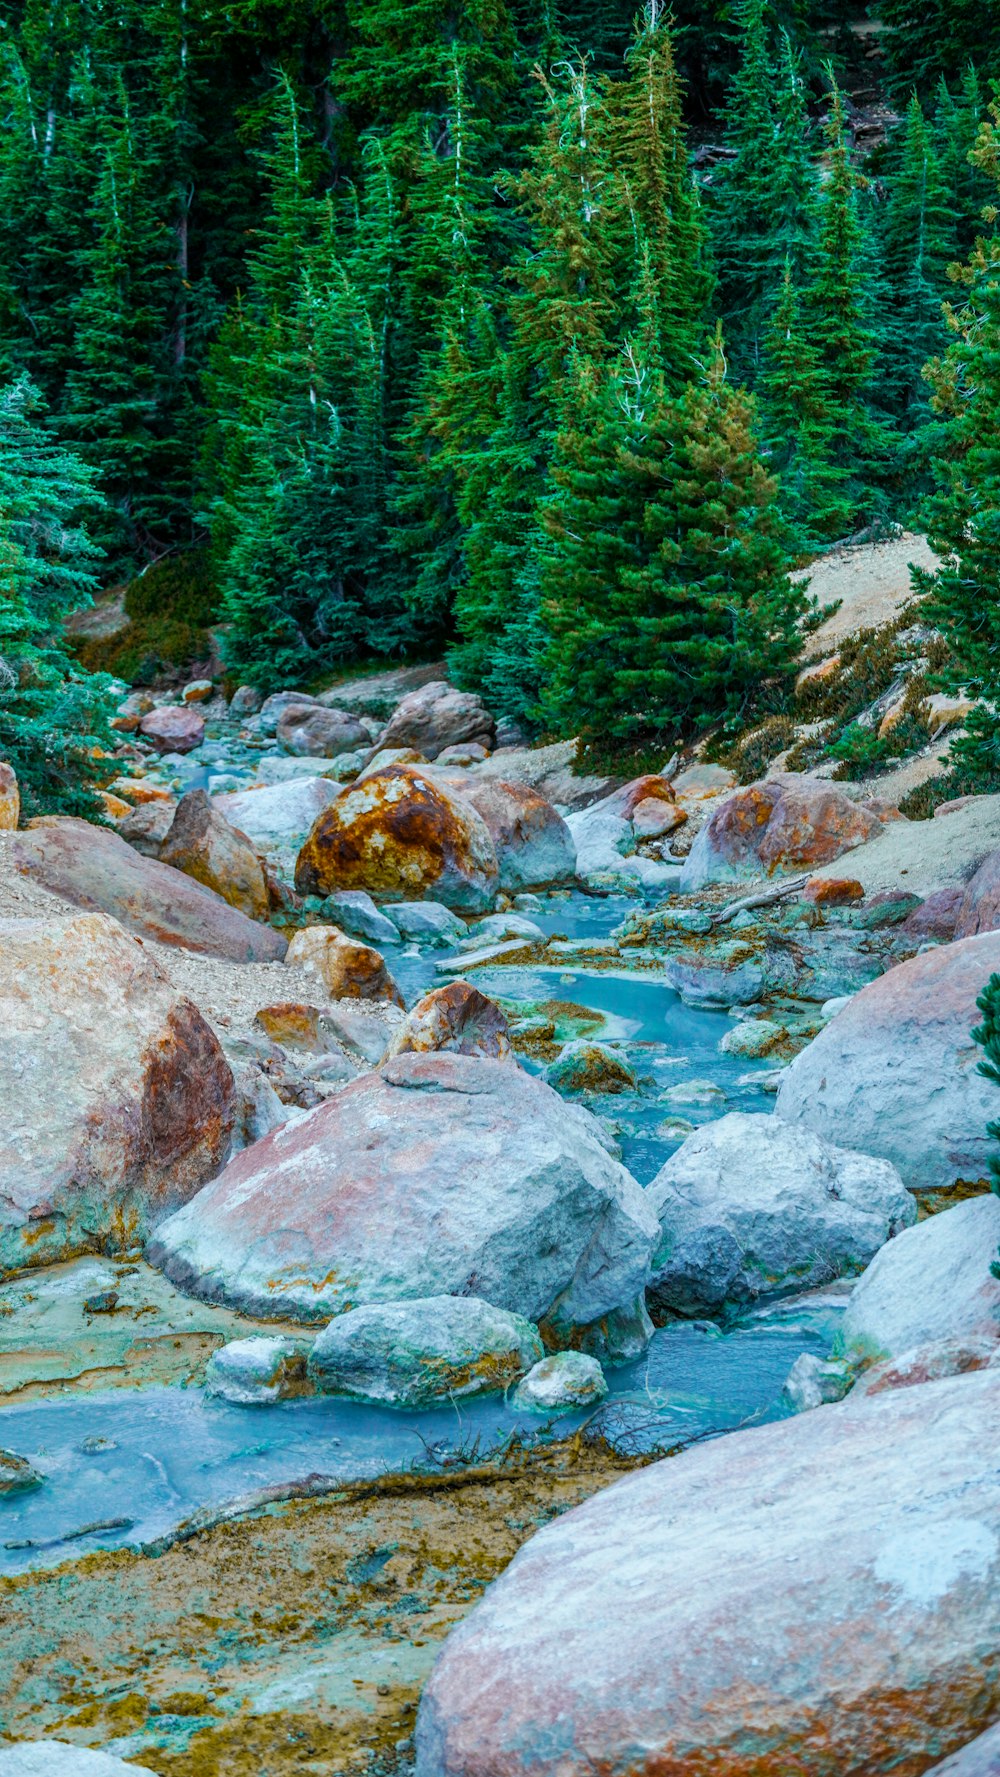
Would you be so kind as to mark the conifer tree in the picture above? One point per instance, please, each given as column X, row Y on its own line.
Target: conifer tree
column 798, row 429
column 918, row 243
column 51, row 713
column 957, row 121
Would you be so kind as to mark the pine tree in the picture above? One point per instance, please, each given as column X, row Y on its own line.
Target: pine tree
column 798, row 429
column 938, row 39
column 51, row 713
column 956, row 124
column 918, row 244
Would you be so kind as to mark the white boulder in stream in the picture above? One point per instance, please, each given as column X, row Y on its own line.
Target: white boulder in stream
column 750, row 1207
column 932, row 1284
column 255, row 1372
column 816, row 1596
column 442, row 1174
column 896, row 1071
column 116, row 1100
column 59, row 1758
column 562, row 1382
column 414, row 1354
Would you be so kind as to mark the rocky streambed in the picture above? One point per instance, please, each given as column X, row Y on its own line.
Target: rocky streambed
column 386, row 1169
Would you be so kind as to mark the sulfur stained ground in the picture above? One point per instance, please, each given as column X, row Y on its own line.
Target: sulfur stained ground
column 296, row 1641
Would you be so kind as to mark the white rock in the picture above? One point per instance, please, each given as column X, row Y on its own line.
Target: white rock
column 566, row 1380
column 425, row 922
column 58, row 1758
column 932, row 1283
column 256, row 1371
column 278, row 820
column 815, row 1382
column 752, row 1208
column 412, row 1354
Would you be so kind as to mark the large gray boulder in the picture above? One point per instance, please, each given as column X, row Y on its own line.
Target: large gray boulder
column 750, row 1208
column 932, row 1284
column 413, row 1354
column 820, row 1595
column 895, row 1073
column 95, row 870
column 311, row 731
column 533, row 844
column 116, row 1101
column 442, row 1174
column 58, row 1758
column 278, row 818
column 436, row 716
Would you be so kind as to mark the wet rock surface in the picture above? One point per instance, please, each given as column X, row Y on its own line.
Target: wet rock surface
column 410, row 1354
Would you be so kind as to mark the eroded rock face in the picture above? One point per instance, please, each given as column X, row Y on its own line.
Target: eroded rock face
column 785, row 823
column 97, row 870
column 932, row 1284
column 401, row 836
column 533, row 843
column 201, row 842
column 438, row 1175
column 348, row 969
column 311, row 731
column 751, row 1208
column 458, row 1018
column 414, row 1354
column 175, row 728
column 436, row 716
column 895, row 1073
column 116, row 1101
column 277, row 820
column 10, row 798
column 705, row 1617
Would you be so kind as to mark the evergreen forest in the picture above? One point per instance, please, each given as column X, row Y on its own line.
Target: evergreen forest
column 546, row 339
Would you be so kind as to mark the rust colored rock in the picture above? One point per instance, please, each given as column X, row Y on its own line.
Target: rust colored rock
column 980, row 909
column 347, row 969
column 201, row 842
column 785, row 823
column 116, row 1101
column 403, row 837
column 98, row 870
column 812, row 1598
column 294, row 1025
column 115, row 807
column 10, row 798
column 456, row 1017
column 147, row 826
column 311, row 731
column 436, row 716
column 139, row 791
column 819, row 672
column 833, row 891
column 173, row 729
column 653, row 817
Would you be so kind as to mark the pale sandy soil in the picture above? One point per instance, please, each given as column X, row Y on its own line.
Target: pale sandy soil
column 921, row 856
column 873, row 582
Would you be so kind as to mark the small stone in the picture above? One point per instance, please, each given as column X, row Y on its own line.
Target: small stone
column 411, row 1354
column 246, row 701
column 257, row 1371
column 812, row 1382
column 754, row 1037
column 97, row 1446
column 355, row 912
column 561, row 1382
column 833, row 891
column 102, row 1302
column 590, row 1067
column 17, row 1474
column 426, row 922
column 695, row 1092
column 197, row 691
column 675, row 1128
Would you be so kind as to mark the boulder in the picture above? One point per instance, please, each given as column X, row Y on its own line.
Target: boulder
column 606, row 837
column 497, row 927
column 116, row 1101
column 146, row 827
column 426, row 922
column 348, row 970
column 561, row 1383
column 376, row 695
column 17, row 1475
column 257, row 1371
column 174, row 728
column 245, row 701
column 273, row 708
column 201, row 842
column 934, row 1283
column 936, row 919
column 814, row 1382
column 815, row 1596
column 278, row 818
column 414, row 1354
column 438, row 1175
column 401, row 836
column 895, row 1073
column 979, row 1758
column 10, row 798
column 98, row 870
column 551, row 770
column 533, row 843
column 59, row 1758
column 456, row 1017
column 833, row 891
column 584, row 1066
column 436, row 716
column 198, row 691
column 922, row 1363
column 980, row 908
column 355, row 912
column 784, row 824
column 318, row 733
column 750, row 1208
